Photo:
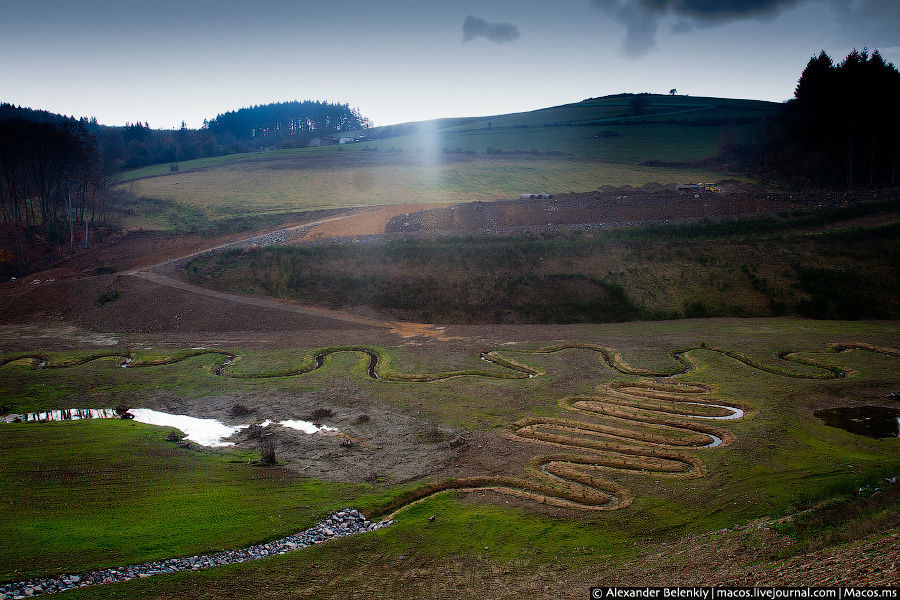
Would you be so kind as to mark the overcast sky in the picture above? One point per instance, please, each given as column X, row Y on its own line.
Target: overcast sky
column 404, row 60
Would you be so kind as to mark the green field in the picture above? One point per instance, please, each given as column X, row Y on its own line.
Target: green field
column 316, row 180
column 81, row 495
column 572, row 148
column 671, row 128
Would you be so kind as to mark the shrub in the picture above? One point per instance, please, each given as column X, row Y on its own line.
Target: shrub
column 239, row 410
column 321, row 413
column 267, row 451
column 108, row 296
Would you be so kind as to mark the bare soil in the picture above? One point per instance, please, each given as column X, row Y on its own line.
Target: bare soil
column 373, row 443
column 368, row 221
column 651, row 203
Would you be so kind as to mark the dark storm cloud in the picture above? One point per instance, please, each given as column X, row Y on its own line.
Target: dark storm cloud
column 641, row 18
column 876, row 19
column 474, row 27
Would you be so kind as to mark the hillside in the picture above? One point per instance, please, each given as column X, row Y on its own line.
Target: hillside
column 620, row 129
column 577, row 147
column 668, row 128
column 831, row 263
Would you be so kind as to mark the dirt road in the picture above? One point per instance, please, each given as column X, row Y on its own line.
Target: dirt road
column 161, row 272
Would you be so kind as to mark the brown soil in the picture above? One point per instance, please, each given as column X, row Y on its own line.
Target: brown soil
column 651, row 203
column 388, row 443
column 367, row 221
column 145, row 306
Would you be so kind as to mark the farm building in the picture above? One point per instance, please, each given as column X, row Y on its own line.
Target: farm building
column 534, row 196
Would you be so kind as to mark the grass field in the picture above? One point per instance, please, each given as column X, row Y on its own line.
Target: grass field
column 670, row 128
column 178, row 501
column 308, row 181
column 578, row 147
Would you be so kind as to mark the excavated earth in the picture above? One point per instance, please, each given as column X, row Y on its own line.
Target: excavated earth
column 650, row 203
column 372, row 441
column 47, row 312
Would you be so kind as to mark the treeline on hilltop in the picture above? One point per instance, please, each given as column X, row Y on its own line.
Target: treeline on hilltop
column 281, row 125
column 288, row 121
column 841, row 128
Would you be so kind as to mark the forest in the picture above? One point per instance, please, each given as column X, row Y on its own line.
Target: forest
column 841, row 128
column 274, row 125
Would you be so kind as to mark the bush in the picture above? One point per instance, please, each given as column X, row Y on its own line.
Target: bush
column 321, row 413
column 267, row 451
column 108, row 296
column 239, row 410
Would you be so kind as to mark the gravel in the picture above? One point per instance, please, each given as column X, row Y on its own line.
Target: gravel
column 340, row 524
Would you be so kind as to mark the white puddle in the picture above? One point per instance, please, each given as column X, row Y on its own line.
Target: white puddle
column 717, row 441
column 306, row 426
column 205, row 432
column 736, row 413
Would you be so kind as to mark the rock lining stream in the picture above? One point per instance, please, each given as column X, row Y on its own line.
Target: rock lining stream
column 343, row 523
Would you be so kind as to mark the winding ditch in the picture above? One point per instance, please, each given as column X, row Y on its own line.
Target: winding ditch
column 637, row 427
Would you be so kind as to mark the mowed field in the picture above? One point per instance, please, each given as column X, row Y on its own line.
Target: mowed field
column 328, row 179
column 109, row 492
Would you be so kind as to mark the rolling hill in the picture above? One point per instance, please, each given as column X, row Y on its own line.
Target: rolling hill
column 616, row 140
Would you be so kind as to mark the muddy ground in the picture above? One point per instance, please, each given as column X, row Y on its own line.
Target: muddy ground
column 651, row 203
column 373, row 442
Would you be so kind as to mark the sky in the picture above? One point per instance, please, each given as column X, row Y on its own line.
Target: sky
column 170, row 61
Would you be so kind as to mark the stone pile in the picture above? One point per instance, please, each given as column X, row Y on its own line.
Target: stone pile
column 341, row 524
column 278, row 237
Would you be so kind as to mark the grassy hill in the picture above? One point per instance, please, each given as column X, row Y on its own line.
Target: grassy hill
column 571, row 148
column 619, row 129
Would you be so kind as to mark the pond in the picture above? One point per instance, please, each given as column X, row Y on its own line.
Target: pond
column 871, row 421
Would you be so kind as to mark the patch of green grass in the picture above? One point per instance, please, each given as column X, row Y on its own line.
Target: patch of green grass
column 324, row 180
column 850, row 515
column 110, row 492
column 107, row 297
column 86, row 494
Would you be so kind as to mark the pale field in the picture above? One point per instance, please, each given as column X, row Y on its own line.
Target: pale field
column 351, row 179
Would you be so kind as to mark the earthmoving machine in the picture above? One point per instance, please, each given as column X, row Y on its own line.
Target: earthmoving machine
column 705, row 187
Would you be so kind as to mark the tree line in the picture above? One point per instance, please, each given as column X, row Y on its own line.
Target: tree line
column 281, row 121
column 281, row 124
column 51, row 182
column 841, row 128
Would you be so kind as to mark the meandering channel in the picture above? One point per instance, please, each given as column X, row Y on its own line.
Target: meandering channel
column 645, row 425
column 640, row 426
column 379, row 365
